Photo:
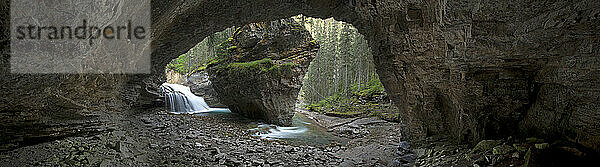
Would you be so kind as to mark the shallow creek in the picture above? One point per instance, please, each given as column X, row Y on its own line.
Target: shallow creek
column 304, row 131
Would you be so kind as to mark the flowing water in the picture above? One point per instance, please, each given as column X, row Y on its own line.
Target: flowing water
column 304, row 131
column 179, row 99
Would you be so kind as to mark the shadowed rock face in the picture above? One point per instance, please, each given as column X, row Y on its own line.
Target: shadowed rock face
column 260, row 71
column 201, row 86
column 468, row 69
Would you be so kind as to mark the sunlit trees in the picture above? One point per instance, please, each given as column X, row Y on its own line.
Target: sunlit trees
column 344, row 60
column 197, row 57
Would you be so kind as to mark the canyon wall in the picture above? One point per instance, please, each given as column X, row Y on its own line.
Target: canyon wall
column 468, row 69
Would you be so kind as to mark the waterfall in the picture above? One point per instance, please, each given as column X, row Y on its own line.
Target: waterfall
column 180, row 100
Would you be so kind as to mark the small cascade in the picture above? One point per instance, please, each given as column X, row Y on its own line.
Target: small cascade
column 180, row 100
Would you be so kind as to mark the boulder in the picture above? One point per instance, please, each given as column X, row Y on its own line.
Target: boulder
column 259, row 70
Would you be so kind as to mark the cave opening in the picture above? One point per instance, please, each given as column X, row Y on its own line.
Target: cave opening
column 338, row 80
column 340, row 76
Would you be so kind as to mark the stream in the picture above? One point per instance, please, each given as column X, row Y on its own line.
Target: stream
column 304, row 131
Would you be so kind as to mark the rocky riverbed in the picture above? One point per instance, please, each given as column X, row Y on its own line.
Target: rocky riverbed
column 155, row 138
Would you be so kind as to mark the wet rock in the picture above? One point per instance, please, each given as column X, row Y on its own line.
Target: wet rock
column 214, row 150
column 220, row 156
column 114, row 145
column 273, row 161
column 256, row 160
column 407, row 158
column 290, row 149
column 191, row 136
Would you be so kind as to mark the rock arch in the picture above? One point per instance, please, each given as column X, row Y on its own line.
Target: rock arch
column 397, row 32
column 465, row 69
column 468, row 69
column 383, row 23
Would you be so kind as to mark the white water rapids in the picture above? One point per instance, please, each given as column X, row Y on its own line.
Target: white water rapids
column 180, row 100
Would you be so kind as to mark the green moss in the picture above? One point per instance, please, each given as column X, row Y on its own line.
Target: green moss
column 225, row 47
column 371, row 88
column 226, row 42
column 287, row 67
column 258, row 64
column 273, row 68
column 215, row 60
column 200, row 68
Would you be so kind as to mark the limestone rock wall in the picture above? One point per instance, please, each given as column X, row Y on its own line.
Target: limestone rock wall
column 491, row 69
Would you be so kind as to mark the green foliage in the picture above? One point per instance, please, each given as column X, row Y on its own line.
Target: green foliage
column 343, row 61
column 371, row 88
column 203, row 54
column 178, row 64
column 362, row 100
